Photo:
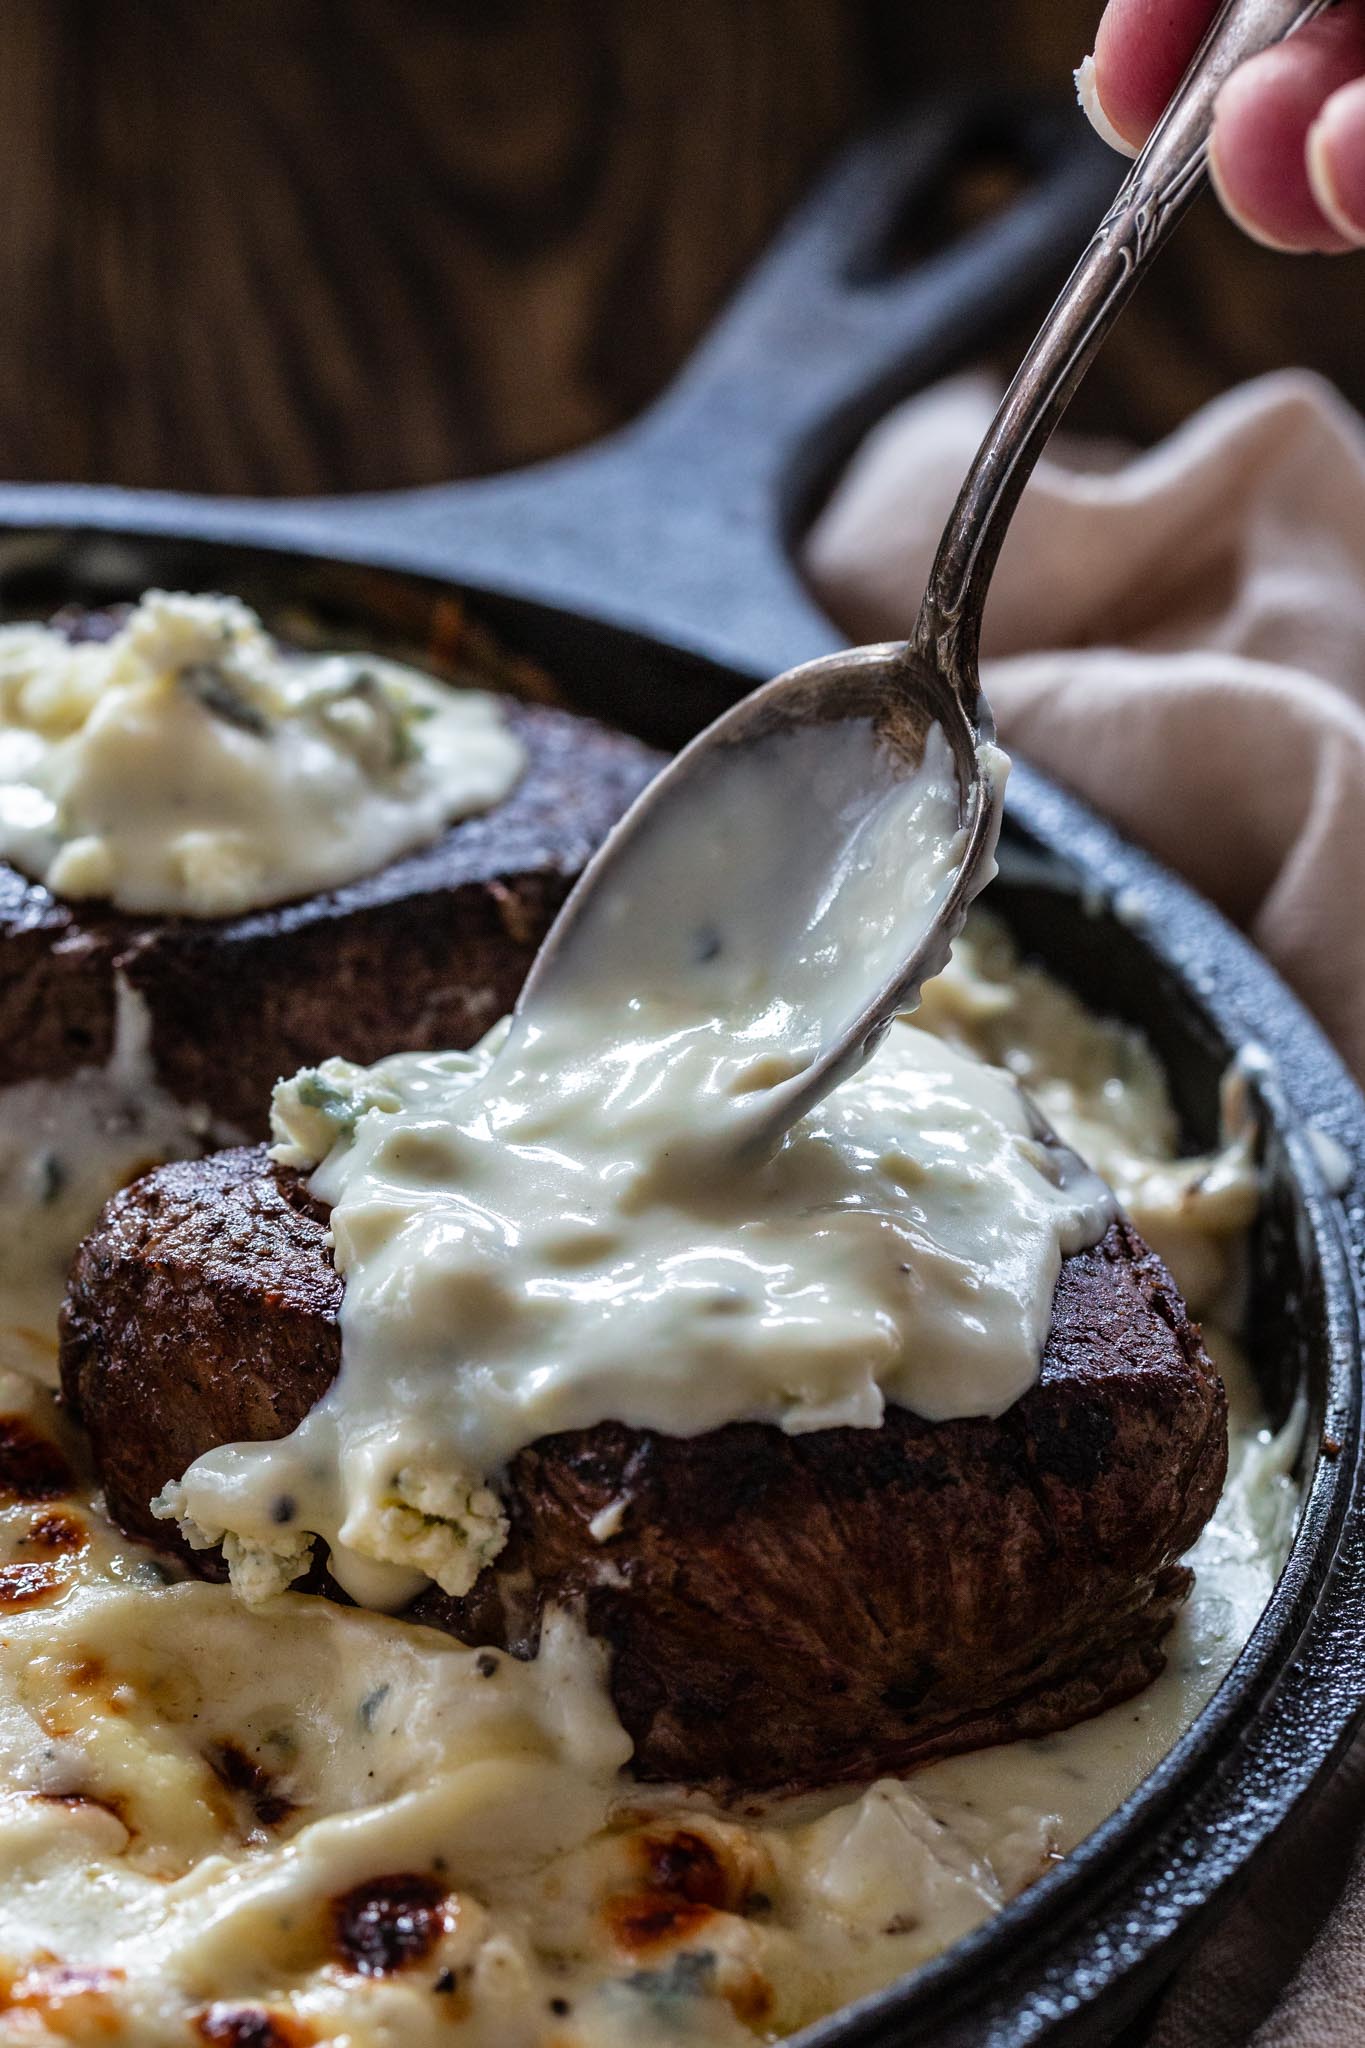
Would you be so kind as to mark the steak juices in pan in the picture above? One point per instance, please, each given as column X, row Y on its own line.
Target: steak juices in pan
column 493, row 1502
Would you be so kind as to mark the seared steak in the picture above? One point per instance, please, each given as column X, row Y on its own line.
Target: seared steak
column 783, row 1610
column 426, row 953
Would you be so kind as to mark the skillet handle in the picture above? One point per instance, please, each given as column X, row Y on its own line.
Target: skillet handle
column 678, row 526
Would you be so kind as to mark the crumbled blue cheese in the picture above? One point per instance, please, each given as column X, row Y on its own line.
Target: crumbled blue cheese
column 318, row 1106
column 260, row 1568
column 403, row 1527
column 445, row 1525
column 190, row 765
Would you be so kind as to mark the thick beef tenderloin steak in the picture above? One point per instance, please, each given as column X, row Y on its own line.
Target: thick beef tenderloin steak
column 426, row 953
column 782, row 1610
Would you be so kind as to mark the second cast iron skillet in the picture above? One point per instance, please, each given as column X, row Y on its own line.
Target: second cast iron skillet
column 652, row 576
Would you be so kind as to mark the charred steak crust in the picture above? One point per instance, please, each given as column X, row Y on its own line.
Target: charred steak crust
column 202, row 1310
column 428, row 952
column 783, row 1610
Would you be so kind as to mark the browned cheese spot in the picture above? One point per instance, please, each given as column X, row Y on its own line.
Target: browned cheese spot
column 640, row 1922
column 684, row 1865
column 241, row 1773
column 28, row 1585
column 31, row 1468
column 250, row 2026
column 75, row 1999
column 389, row 1922
column 55, row 1533
column 75, row 1800
column 750, row 1998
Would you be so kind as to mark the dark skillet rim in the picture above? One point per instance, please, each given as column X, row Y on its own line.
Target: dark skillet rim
column 1092, row 1939
column 1107, row 1925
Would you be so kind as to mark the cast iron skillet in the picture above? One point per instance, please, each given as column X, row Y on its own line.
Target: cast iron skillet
column 652, row 577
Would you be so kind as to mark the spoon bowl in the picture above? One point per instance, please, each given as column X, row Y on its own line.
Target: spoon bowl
column 853, row 793
column 807, row 861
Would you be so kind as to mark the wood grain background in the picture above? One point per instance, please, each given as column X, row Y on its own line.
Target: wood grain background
column 296, row 245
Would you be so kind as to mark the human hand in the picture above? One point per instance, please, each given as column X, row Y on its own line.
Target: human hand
column 1287, row 152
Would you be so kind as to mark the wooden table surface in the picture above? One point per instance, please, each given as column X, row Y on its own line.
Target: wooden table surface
column 298, row 245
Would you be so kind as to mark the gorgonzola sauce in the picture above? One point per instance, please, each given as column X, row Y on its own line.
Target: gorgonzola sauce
column 191, row 766
column 296, row 1822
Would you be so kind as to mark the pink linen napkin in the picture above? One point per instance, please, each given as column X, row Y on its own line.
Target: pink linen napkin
column 1180, row 636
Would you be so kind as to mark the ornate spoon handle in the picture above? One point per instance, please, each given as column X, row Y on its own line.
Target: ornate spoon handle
column 1148, row 204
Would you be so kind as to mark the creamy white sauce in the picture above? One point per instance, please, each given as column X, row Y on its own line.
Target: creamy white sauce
column 392, row 1752
column 191, row 766
column 568, row 1226
column 1100, row 1086
column 65, row 1147
column 773, row 942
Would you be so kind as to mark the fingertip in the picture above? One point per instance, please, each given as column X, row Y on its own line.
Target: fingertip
column 1141, row 50
column 1335, row 158
column 1228, row 142
column 1257, row 151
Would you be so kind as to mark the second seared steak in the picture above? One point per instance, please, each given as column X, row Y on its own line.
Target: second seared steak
column 782, row 1610
column 427, row 952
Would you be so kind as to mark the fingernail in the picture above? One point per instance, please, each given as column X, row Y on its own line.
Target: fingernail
column 1335, row 154
column 1087, row 92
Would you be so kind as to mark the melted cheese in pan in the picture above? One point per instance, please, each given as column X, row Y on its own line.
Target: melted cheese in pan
column 300, row 1823
column 355, row 1826
column 65, row 1147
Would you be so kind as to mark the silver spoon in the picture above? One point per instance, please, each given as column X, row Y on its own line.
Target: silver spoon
column 757, row 854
